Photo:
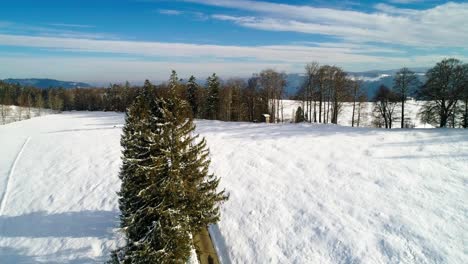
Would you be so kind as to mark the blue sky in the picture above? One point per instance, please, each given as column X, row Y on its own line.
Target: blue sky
column 112, row 41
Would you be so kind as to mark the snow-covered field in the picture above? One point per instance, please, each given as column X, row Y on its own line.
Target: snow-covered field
column 298, row 193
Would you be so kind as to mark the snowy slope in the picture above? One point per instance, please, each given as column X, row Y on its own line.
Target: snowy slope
column 59, row 202
column 327, row 194
column 299, row 193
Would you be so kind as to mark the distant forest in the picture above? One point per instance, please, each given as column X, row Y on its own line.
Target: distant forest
column 323, row 93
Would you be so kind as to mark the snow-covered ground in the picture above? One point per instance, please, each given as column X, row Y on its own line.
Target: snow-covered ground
column 299, row 193
column 13, row 113
column 58, row 183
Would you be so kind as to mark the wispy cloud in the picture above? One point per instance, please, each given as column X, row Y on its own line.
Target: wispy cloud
column 366, row 40
column 440, row 26
column 196, row 15
column 405, row 1
column 262, row 53
column 97, row 69
column 70, row 25
column 4, row 24
column 170, row 12
column 347, row 55
column 53, row 30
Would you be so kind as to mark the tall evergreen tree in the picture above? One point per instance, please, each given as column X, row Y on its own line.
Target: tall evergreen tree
column 167, row 193
column 173, row 81
column 212, row 102
column 192, row 95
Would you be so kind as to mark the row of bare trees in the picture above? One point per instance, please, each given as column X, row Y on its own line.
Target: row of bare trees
column 444, row 95
column 325, row 90
column 386, row 99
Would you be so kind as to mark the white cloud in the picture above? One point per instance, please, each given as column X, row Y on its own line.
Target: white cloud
column 282, row 53
column 103, row 70
column 440, row 26
column 362, row 48
column 395, row 11
column 200, row 60
column 54, row 29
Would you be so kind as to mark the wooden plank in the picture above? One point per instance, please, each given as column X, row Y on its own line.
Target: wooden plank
column 206, row 252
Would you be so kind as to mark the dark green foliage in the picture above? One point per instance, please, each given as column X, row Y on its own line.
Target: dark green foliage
column 117, row 97
column 167, row 193
column 212, row 101
column 299, row 115
column 192, row 95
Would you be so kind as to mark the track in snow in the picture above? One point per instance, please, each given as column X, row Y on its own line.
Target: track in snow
column 10, row 175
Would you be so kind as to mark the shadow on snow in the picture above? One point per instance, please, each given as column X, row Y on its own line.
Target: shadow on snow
column 70, row 224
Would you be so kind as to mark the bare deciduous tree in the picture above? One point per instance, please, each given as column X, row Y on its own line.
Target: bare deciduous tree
column 405, row 81
column 442, row 90
column 273, row 84
column 4, row 112
column 385, row 102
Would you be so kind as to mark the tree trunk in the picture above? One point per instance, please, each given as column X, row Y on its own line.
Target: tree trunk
column 320, row 108
column 359, row 114
column 335, row 112
column 315, row 112
column 282, row 108
column 277, row 107
column 352, row 118
column 402, row 113
column 465, row 118
column 384, row 110
column 310, row 110
column 390, row 121
column 443, row 120
column 443, row 114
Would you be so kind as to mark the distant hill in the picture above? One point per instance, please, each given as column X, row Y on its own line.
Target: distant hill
column 47, row 83
column 371, row 80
